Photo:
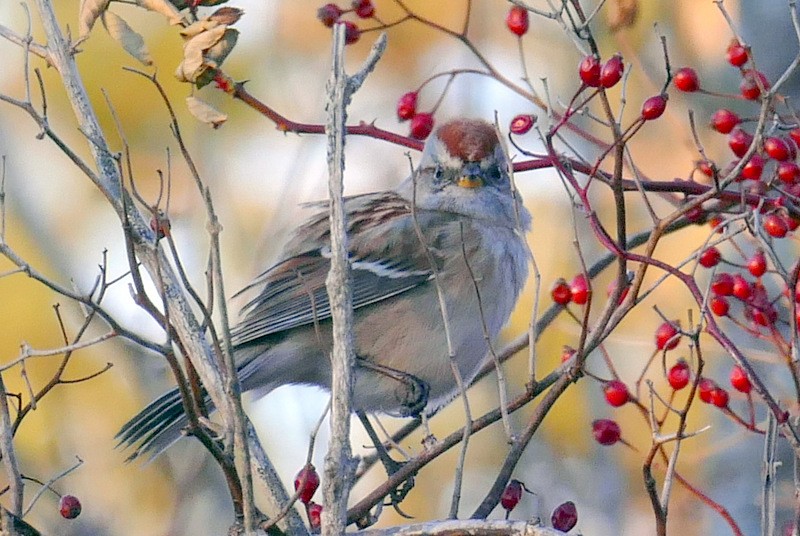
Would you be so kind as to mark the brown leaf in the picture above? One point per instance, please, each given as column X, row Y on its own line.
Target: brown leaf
column 227, row 15
column 132, row 42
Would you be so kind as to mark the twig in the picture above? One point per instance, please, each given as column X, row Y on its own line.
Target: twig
column 339, row 464
column 9, row 454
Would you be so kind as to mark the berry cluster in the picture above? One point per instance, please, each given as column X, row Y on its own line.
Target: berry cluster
column 769, row 171
column 305, row 485
column 421, row 123
column 563, row 518
column 330, row 14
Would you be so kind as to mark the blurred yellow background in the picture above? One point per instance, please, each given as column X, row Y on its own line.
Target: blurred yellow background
column 60, row 224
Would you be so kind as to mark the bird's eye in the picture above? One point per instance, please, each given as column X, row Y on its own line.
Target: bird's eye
column 494, row 173
column 438, row 172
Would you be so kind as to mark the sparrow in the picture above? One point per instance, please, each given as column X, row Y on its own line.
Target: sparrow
column 456, row 226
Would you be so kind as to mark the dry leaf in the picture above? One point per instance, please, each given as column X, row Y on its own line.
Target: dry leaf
column 227, row 15
column 193, row 50
column 223, row 16
column 89, row 12
column 205, row 112
column 216, row 54
column 162, row 7
column 198, row 27
column 132, row 42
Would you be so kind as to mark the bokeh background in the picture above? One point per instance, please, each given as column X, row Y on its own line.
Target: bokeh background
column 258, row 176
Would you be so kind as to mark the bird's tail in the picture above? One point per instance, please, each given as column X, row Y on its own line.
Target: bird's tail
column 156, row 427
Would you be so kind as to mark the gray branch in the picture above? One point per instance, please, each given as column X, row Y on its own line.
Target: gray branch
column 339, row 464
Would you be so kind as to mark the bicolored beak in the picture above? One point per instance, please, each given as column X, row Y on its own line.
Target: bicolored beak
column 472, row 177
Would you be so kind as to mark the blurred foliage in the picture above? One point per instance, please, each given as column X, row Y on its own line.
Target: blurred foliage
column 257, row 175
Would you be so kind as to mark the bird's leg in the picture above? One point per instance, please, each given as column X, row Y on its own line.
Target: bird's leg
column 414, row 396
column 390, row 464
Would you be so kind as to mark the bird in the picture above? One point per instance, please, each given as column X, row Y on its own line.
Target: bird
column 450, row 236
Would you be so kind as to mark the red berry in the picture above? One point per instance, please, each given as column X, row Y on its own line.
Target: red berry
column 679, row 375
column 364, row 8
column 589, row 71
column 775, row 226
column 351, row 32
column 751, row 84
column 795, row 135
column 69, row 506
column 757, row 264
column 306, row 482
column 695, row 215
column 616, row 393
column 760, row 309
column 717, row 222
column 777, row 148
column 719, row 305
column 723, row 121
column 511, row 496
column 686, row 80
column 739, row 141
column 666, row 336
column 560, row 292
column 654, row 107
column 704, row 389
column 612, row 287
column 606, row 432
column 761, row 312
column 564, row 517
column 739, row 380
column 706, row 167
column 737, row 54
column 522, row 123
column 719, row 397
column 722, row 284
column 753, row 168
column 314, row 511
column 611, row 71
column 709, row 257
column 407, row 106
column 580, row 290
column 329, row 14
column 788, row 172
column 567, row 352
column 421, row 126
column 517, row 20
column 741, row 288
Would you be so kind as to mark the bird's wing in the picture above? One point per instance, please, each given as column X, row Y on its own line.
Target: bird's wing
column 293, row 292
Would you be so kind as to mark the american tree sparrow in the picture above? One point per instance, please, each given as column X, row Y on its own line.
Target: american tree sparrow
column 461, row 201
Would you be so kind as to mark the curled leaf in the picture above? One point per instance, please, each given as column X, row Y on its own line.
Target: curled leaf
column 89, row 12
column 217, row 53
column 227, row 15
column 132, row 42
column 193, row 50
column 164, row 8
column 205, row 113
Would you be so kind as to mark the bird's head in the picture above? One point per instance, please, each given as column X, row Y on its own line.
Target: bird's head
column 464, row 170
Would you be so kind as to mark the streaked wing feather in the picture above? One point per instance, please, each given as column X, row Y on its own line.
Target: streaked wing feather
column 294, row 292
